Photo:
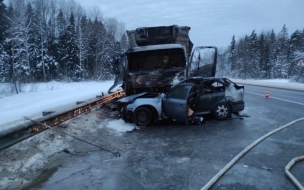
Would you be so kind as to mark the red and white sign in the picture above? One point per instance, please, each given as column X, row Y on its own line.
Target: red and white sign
column 300, row 63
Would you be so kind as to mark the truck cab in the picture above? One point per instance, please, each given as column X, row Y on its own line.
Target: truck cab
column 154, row 68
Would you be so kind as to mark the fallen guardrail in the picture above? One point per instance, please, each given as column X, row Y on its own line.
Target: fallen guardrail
column 29, row 129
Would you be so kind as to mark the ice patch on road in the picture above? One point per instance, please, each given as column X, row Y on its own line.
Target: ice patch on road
column 183, row 160
column 119, row 126
column 35, row 162
column 4, row 182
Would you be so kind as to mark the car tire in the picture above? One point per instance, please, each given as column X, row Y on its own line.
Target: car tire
column 143, row 116
column 221, row 111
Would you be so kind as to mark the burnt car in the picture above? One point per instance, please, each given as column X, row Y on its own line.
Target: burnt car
column 190, row 98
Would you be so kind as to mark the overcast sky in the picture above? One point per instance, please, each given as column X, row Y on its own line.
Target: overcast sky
column 212, row 22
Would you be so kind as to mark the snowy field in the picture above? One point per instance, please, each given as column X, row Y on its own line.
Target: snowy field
column 39, row 97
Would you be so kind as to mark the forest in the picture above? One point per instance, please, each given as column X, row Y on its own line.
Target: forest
column 42, row 40
column 267, row 55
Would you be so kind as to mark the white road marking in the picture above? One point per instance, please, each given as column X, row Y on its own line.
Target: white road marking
column 277, row 98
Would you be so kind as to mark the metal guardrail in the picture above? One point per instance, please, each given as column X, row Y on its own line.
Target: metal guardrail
column 29, row 129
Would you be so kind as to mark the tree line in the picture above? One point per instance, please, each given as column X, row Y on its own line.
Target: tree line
column 43, row 40
column 264, row 56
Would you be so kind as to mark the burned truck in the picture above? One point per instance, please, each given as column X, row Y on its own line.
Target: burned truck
column 159, row 57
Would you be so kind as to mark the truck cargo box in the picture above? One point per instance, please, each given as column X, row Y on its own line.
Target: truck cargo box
column 160, row 35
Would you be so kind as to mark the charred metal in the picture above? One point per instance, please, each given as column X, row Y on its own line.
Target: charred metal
column 159, row 57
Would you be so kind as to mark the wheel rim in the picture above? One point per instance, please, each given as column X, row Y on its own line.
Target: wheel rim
column 142, row 116
column 222, row 111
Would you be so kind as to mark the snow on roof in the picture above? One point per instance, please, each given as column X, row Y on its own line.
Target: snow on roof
column 156, row 47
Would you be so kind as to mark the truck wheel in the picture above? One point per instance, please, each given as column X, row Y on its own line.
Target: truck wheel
column 143, row 116
column 221, row 111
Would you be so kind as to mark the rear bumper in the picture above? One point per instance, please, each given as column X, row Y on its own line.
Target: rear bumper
column 237, row 106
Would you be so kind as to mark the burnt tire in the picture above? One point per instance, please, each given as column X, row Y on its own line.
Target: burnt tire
column 143, row 116
column 221, row 111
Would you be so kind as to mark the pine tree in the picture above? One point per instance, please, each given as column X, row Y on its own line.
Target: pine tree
column 20, row 44
column 272, row 45
column 32, row 36
column 4, row 23
column 71, row 60
column 295, row 45
column 240, row 54
column 297, row 53
column 281, row 65
column 247, row 57
column 97, row 48
column 83, row 33
column 4, row 56
column 263, row 56
column 254, row 56
column 58, row 50
column 232, row 58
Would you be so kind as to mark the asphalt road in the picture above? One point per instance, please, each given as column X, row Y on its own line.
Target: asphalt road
column 175, row 156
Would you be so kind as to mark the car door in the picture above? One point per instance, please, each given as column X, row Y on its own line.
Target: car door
column 174, row 104
column 213, row 92
column 202, row 62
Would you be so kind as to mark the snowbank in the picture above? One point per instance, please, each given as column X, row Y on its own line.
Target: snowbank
column 36, row 98
column 275, row 83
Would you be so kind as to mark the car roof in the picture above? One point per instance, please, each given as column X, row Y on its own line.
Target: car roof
column 200, row 79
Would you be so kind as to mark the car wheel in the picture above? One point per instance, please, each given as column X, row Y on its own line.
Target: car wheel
column 143, row 116
column 221, row 111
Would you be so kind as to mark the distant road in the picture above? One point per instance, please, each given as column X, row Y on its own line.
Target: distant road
column 283, row 95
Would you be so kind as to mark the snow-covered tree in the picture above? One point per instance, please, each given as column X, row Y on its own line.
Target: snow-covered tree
column 4, row 22
column 272, row 42
column 232, row 66
column 19, row 42
column 71, row 61
column 48, row 40
column 281, row 64
column 254, row 55
column 264, row 61
column 82, row 35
